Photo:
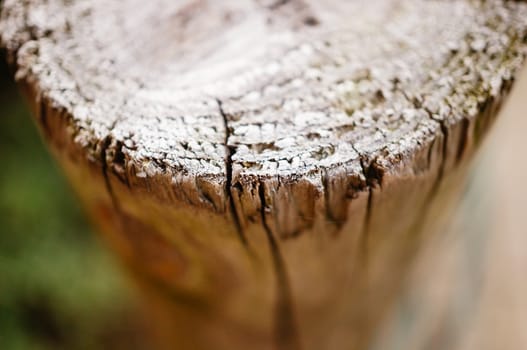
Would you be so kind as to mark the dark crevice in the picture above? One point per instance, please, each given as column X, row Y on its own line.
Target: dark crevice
column 205, row 197
column 373, row 173
column 119, row 162
column 463, row 139
column 119, row 157
column 369, row 209
column 230, row 150
column 373, row 176
column 43, row 117
column 330, row 216
column 444, row 153
column 285, row 327
column 103, row 157
column 325, row 184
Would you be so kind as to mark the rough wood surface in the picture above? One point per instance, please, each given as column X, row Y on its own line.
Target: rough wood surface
column 266, row 167
column 467, row 289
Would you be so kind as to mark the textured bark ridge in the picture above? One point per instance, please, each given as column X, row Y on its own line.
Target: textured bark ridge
column 288, row 151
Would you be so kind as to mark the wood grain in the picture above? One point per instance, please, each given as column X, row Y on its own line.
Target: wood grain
column 268, row 169
column 466, row 289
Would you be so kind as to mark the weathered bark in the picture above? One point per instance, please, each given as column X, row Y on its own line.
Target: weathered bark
column 266, row 169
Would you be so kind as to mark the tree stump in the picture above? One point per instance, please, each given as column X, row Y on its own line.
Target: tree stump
column 265, row 169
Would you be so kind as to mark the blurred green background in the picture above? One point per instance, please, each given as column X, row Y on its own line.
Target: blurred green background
column 59, row 288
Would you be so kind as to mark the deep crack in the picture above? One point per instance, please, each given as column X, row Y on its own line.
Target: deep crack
column 103, row 157
column 286, row 329
column 369, row 207
column 330, row 216
column 230, row 150
column 43, row 117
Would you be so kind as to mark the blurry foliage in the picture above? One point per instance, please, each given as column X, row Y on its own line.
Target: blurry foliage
column 58, row 287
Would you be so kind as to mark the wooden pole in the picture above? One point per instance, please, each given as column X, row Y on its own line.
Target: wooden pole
column 266, row 170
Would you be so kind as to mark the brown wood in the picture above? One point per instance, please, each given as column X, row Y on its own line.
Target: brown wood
column 266, row 169
column 466, row 288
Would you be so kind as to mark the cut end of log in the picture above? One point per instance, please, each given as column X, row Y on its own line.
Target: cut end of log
column 265, row 90
column 333, row 118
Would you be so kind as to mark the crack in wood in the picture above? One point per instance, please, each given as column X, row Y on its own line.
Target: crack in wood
column 465, row 124
column 369, row 208
column 288, row 118
column 285, row 326
column 230, row 150
column 330, row 216
column 105, row 145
